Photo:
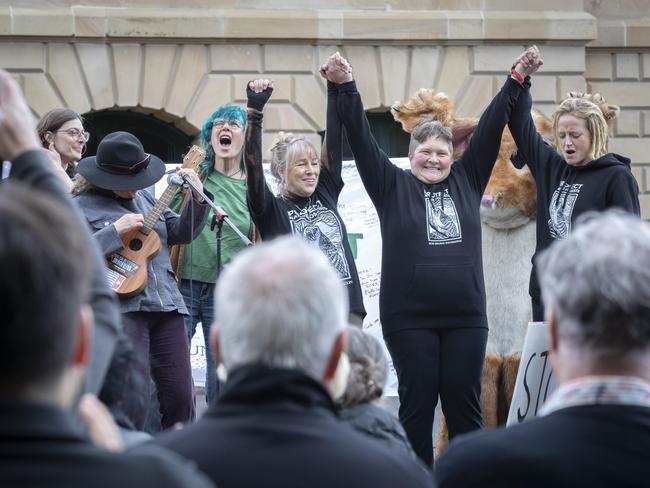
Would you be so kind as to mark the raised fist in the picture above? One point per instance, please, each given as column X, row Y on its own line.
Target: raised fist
column 336, row 69
column 258, row 93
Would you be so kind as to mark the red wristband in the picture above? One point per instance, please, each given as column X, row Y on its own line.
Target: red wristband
column 514, row 73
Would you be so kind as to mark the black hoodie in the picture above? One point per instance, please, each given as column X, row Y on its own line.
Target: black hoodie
column 431, row 268
column 564, row 192
column 315, row 218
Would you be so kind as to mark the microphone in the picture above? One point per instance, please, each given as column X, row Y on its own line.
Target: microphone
column 175, row 180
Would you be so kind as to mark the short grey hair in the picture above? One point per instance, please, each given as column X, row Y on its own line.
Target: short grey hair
column 368, row 369
column 434, row 129
column 282, row 305
column 597, row 282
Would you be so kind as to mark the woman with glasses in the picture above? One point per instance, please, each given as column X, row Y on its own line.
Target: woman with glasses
column 223, row 174
column 62, row 133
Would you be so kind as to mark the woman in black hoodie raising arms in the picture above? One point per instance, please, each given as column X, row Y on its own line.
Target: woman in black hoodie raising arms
column 432, row 293
column 577, row 175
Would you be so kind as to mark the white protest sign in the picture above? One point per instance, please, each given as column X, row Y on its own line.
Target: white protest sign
column 534, row 379
column 197, row 357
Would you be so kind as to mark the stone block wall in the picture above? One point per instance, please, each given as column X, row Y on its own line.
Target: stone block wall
column 180, row 62
column 184, row 83
column 623, row 78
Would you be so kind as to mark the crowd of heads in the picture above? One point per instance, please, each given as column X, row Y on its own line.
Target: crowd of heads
column 281, row 304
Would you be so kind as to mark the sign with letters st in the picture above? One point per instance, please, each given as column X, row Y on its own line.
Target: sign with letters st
column 535, row 379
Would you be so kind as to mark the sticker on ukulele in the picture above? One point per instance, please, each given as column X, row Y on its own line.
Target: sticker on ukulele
column 123, row 265
column 115, row 279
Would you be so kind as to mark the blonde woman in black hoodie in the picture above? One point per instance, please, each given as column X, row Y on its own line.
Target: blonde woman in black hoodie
column 576, row 176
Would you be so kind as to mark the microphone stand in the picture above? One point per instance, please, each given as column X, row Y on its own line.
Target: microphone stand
column 220, row 216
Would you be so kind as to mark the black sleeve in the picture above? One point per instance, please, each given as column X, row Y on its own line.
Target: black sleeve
column 258, row 194
column 376, row 170
column 32, row 167
column 483, row 148
column 623, row 192
column 332, row 153
column 184, row 228
column 531, row 147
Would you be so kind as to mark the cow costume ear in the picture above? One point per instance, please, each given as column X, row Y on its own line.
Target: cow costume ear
column 461, row 134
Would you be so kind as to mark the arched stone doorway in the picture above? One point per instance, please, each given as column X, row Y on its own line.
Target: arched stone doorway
column 159, row 137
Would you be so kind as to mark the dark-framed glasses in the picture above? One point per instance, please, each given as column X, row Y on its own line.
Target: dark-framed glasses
column 232, row 123
column 77, row 134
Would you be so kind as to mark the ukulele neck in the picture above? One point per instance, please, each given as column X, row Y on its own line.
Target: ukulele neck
column 158, row 209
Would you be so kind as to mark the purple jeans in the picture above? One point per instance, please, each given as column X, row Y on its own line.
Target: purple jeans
column 160, row 341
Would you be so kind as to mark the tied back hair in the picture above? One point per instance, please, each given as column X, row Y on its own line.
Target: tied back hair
column 597, row 114
column 368, row 368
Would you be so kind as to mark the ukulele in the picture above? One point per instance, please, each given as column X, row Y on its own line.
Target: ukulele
column 127, row 269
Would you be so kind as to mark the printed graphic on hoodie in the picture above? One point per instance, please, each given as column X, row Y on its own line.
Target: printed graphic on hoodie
column 443, row 226
column 560, row 209
column 319, row 226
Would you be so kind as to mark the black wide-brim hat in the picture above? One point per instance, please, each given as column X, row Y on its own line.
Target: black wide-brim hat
column 121, row 164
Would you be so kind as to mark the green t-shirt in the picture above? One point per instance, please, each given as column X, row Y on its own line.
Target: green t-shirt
column 200, row 257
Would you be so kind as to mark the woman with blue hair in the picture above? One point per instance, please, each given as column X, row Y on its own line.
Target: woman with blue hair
column 224, row 175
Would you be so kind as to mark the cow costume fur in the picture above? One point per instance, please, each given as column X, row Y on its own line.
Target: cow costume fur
column 508, row 226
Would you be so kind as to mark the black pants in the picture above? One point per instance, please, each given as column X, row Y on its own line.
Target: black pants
column 432, row 362
column 160, row 340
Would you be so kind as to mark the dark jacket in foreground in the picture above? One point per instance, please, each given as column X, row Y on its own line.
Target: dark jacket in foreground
column 39, row 447
column 278, row 428
column 596, row 446
column 379, row 424
column 33, row 168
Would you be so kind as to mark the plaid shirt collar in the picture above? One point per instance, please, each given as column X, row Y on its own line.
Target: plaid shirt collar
column 599, row 390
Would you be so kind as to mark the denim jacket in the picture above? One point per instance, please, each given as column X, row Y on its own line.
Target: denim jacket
column 161, row 293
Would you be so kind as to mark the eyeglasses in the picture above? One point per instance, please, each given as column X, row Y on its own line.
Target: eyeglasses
column 76, row 134
column 233, row 124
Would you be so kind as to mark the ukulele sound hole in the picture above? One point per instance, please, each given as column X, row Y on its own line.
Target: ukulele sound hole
column 135, row 245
